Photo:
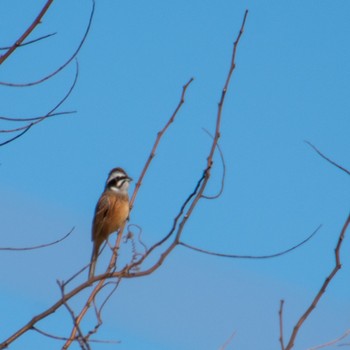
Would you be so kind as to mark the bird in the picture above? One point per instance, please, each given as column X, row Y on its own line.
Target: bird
column 111, row 212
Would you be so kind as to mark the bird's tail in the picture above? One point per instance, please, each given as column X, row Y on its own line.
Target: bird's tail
column 93, row 261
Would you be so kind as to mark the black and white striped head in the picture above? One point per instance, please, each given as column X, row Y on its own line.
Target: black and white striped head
column 118, row 180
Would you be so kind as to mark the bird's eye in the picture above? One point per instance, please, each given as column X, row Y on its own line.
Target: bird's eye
column 112, row 182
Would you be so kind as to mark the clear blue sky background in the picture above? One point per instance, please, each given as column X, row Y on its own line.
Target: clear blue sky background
column 292, row 83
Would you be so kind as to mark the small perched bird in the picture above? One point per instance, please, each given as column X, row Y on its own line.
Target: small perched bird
column 112, row 210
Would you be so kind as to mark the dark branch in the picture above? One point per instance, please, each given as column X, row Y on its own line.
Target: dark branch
column 50, row 114
column 9, row 119
column 17, row 136
column 65, row 64
column 223, row 170
column 26, row 33
column 324, row 286
column 326, row 158
column 41, row 245
column 30, row 41
column 236, row 256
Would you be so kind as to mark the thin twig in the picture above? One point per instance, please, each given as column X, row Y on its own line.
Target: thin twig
column 52, row 336
column 26, row 33
column 280, row 315
column 17, row 136
column 41, row 245
column 80, row 338
column 30, row 41
column 236, row 256
column 332, row 342
column 38, row 120
column 228, row 341
column 223, row 171
column 156, row 143
column 71, row 58
column 10, row 119
column 327, row 159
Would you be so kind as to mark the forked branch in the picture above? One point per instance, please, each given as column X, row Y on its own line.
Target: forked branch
column 185, row 212
column 20, row 40
column 321, row 292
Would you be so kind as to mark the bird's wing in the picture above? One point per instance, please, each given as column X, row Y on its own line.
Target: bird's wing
column 101, row 213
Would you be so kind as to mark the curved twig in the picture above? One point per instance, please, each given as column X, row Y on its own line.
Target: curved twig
column 65, row 64
column 51, row 113
column 40, row 245
column 332, row 342
column 223, row 171
column 9, row 119
column 236, row 256
column 326, row 158
column 17, row 136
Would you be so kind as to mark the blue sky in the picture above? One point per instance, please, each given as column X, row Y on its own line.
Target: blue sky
column 291, row 84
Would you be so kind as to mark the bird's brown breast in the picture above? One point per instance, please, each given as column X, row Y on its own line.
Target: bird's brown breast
column 112, row 210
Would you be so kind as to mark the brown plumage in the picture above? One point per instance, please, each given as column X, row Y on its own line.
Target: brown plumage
column 112, row 210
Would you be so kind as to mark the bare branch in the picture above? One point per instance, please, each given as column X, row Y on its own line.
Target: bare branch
column 50, row 114
column 228, row 341
column 65, row 64
column 332, row 342
column 325, row 284
column 81, row 339
column 280, row 315
column 30, row 41
column 190, row 203
column 41, row 245
column 9, row 119
column 26, row 33
column 327, row 159
column 235, row 256
column 156, row 143
column 17, row 136
column 52, row 336
column 223, row 170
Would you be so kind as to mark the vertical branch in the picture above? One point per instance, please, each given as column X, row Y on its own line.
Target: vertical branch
column 197, row 194
column 156, row 143
column 223, row 95
column 280, row 314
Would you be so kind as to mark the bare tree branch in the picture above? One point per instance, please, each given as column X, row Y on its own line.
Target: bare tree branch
column 40, row 245
column 17, row 136
column 280, row 315
column 59, row 69
column 30, row 41
column 223, row 171
column 52, row 336
column 38, row 120
column 156, row 143
column 327, row 159
column 127, row 271
column 235, row 256
column 26, row 33
column 324, row 286
column 228, row 341
column 332, row 342
column 9, row 119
